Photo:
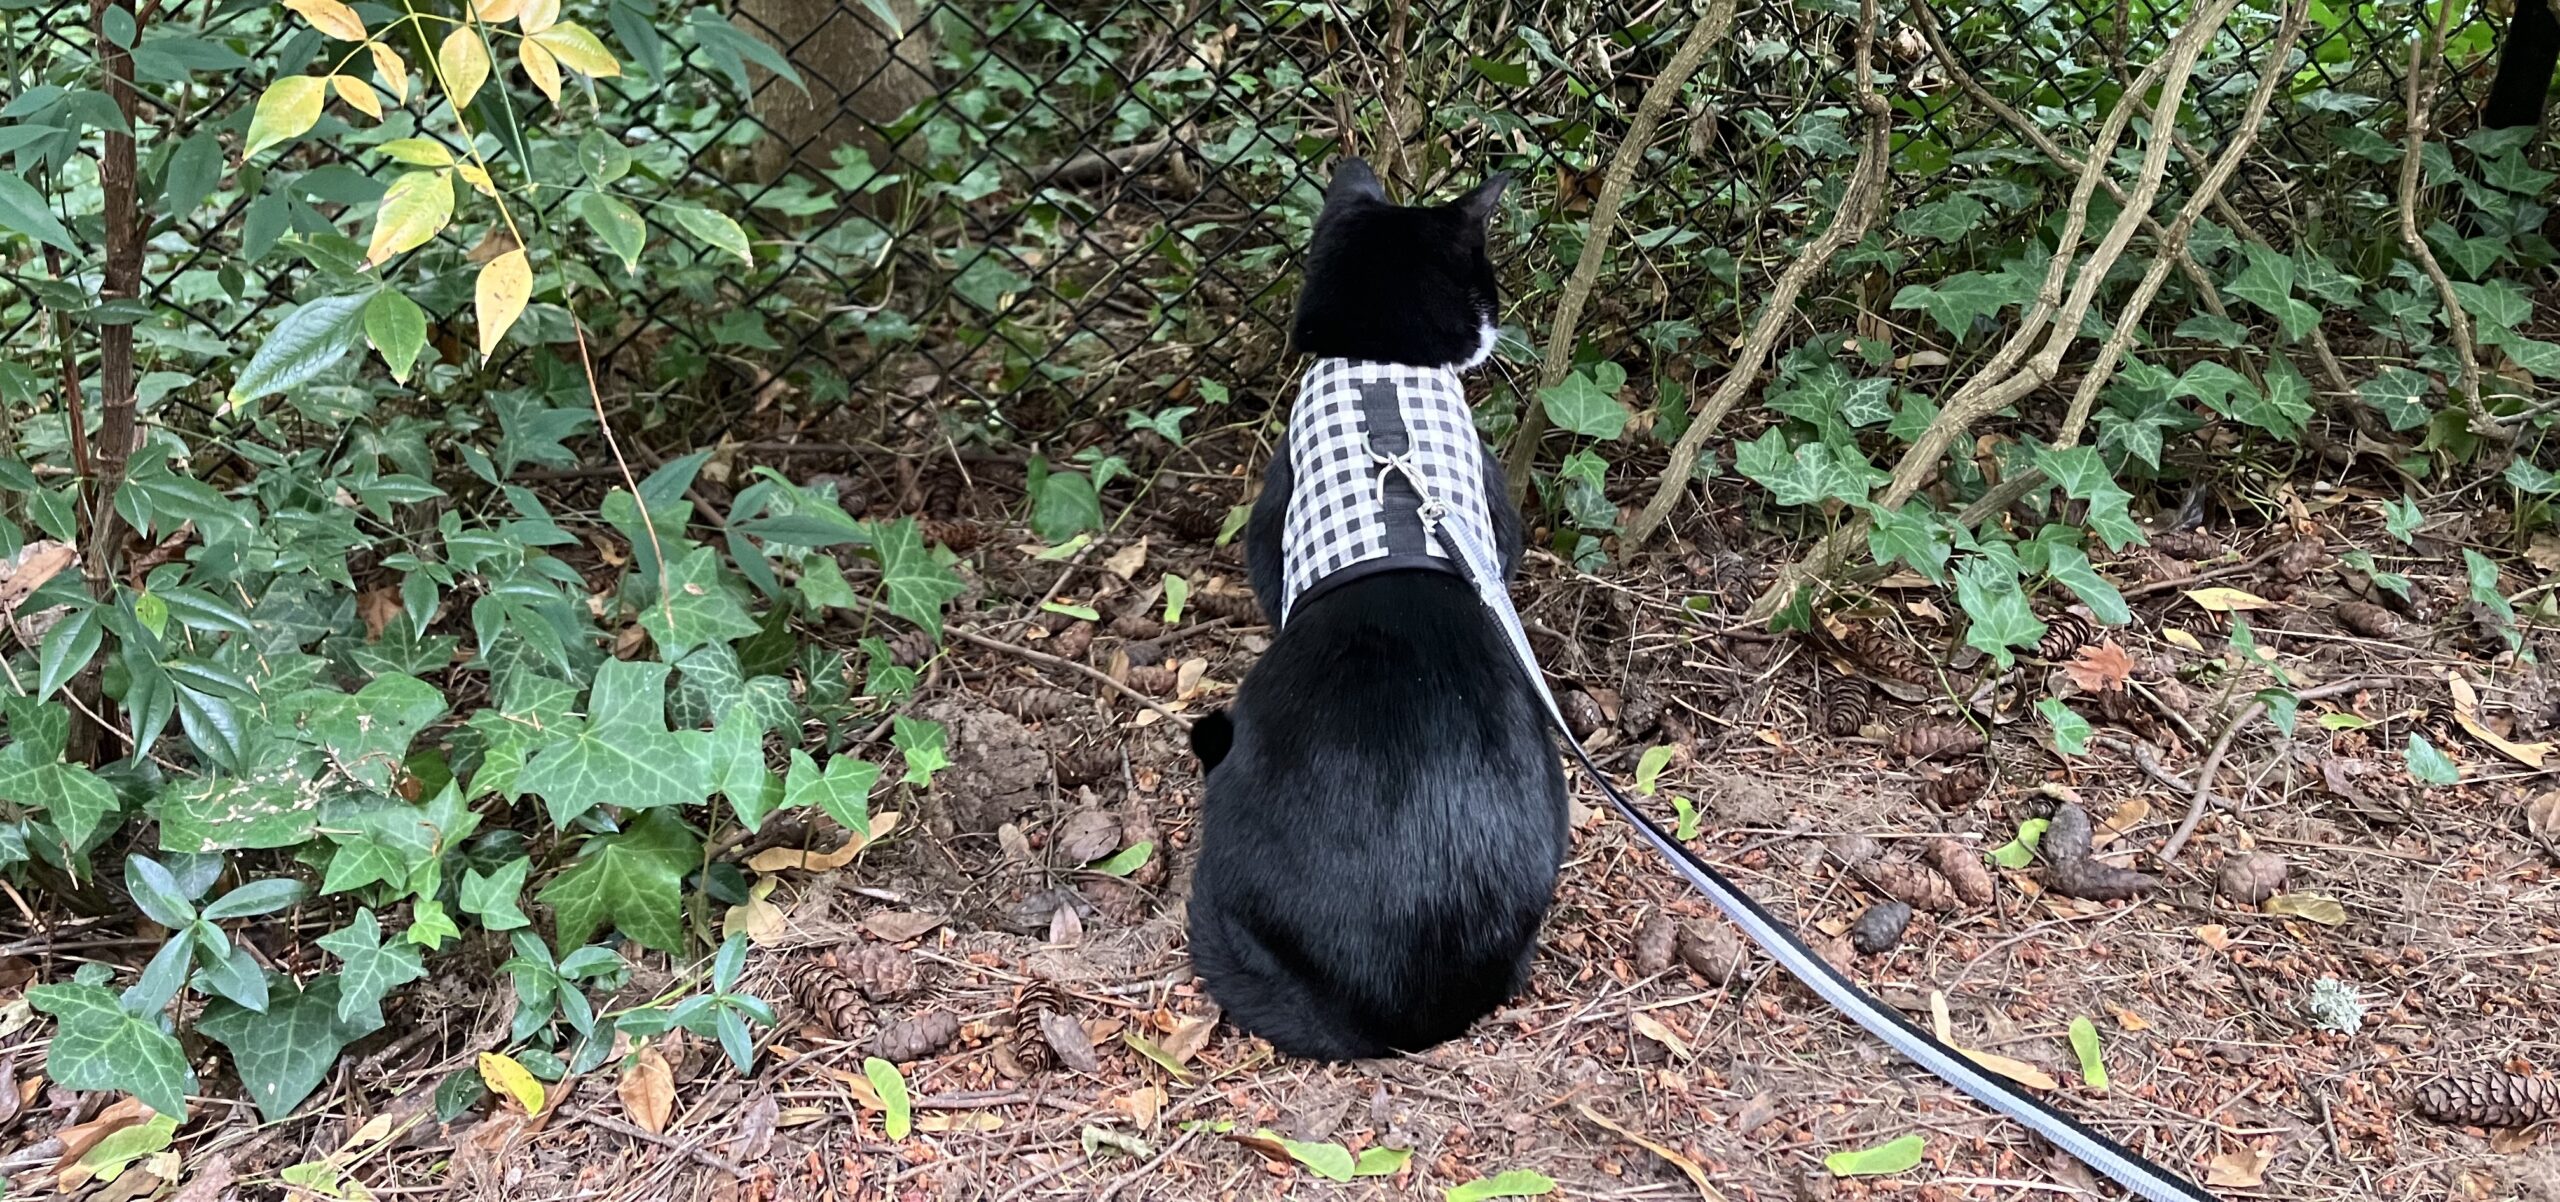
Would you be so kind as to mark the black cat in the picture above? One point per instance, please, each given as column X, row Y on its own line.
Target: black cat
column 1385, row 818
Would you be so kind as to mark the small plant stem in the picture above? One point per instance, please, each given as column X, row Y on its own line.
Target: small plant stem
column 2213, row 763
column 2419, row 94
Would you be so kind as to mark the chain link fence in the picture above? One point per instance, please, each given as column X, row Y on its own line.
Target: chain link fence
column 1016, row 214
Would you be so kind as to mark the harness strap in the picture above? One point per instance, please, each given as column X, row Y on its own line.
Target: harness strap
column 2127, row 1168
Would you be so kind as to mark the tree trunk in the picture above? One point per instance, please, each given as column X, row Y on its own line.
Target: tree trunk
column 861, row 76
column 103, row 535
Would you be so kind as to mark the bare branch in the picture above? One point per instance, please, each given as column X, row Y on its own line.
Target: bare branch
column 1557, row 359
column 2420, row 94
column 1859, row 204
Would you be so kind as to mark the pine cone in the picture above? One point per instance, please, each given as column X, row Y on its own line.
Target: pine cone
column 828, row 995
column 2190, row 545
column 1030, row 1048
column 2297, row 560
column 1197, row 522
column 2074, row 873
column 1657, row 941
column 910, row 648
column 1581, row 713
column 916, row 1036
column 1851, row 850
column 2371, row 621
column 1136, row 624
column 1880, row 929
column 1711, row 949
column 1911, row 883
column 2065, row 634
column 960, row 534
column 943, row 491
column 1955, row 789
column 2252, row 878
column 1963, row 869
column 883, row 973
column 1938, row 739
column 1032, row 703
column 1640, row 714
column 1879, row 653
column 1071, row 642
column 1844, row 704
column 1234, row 604
column 1087, row 764
column 2491, row 1099
column 1153, row 680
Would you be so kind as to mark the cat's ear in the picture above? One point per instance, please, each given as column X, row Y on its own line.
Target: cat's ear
column 1353, row 181
column 1213, row 734
column 1478, row 205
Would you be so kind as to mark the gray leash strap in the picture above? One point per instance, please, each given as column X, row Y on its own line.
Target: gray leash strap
column 2125, row 1167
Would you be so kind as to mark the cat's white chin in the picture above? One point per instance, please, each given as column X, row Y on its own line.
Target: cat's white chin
column 1486, row 336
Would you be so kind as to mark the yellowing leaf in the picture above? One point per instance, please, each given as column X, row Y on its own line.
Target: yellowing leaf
column 499, row 297
column 393, row 69
column 358, row 94
column 970, row 1120
column 578, row 50
column 896, row 1112
column 540, row 67
column 287, row 110
column 2224, row 600
column 496, row 12
column 479, row 180
column 464, row 61
column 2181, row 638
column 1696, row 1173
column 330, row 17
column 538, row 15
column 648, row 1091
column 2084, row 1043
column 416, row 152
column 2325, row 911
column 2016, row 1070
column 2466, row 710
column 1653, row 1029
column 1883, row 1160
column 418, row 204
column 509, row 1079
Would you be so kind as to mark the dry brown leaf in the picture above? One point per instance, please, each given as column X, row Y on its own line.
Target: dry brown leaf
column 756, row 1125
column 2238, row 1170
column 2325, row 911
column 1653, row 1029
column 376, row 608
column 1125, row 562
column 1688, row 1168
column 2128, row 1020
column 782, row 859
column 1189, row 1035
column 2466, row 710
column 1066, row 927
column 899, row 926
column 34, row 564
column 2100, row 668
column 2224, row 600
column 1070, row 1041
column 210, row 1183
column 1187, row 677
column 965, row 1120
column 759, row 920
column 648, row 1091
column 78, row 1139
column 2127, row 816
column 2213, row 935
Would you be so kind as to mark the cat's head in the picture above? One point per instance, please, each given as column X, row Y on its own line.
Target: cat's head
column 1397, row 283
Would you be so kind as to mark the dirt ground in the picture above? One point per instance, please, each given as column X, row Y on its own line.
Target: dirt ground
column 1644, row 1051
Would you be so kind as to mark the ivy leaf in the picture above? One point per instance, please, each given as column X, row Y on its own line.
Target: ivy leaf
column 307, row 342
column 1808, row 476
column 1990, row 596
column 368, row 734
column 1063, row 505
column 695, row 606
column 631, row 882
column 2402, row 519
column 843, row 790
column 1956, row 302
column 625, row 756
column 735, row 750
column 98, row 1045
column 918, row 585
column 2532, row 477
column 2070, row 730
column 2267, row 282
column 283, row 1054
column 2396, row 393
column 2070, row 567
column 921, row 742
column 1586, row 402
column 2429, row 765
column 492, row 897
column 368, row 970
column 1911, row 535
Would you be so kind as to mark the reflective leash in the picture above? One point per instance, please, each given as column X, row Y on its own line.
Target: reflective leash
column 2127, row 1168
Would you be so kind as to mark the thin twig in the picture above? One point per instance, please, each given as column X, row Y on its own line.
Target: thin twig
column 696, row 1153
column 2213, row 762
column 2246, row 565
column 1859, row 204
column 1096, row 674
column 2420, row 93
column 1124, row 1180
column 1558, row 356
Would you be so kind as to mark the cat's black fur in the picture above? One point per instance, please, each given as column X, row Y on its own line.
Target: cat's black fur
column 1385, row 817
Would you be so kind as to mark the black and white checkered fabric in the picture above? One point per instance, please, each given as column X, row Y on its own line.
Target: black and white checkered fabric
column 1385, row 455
